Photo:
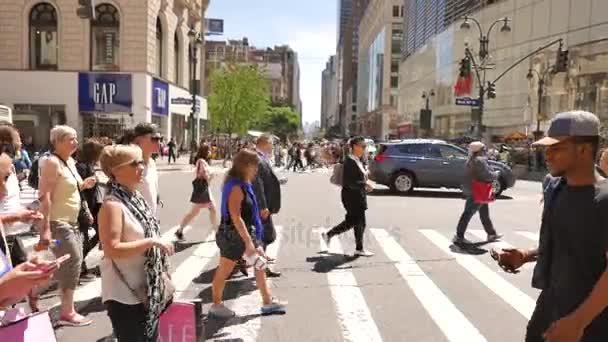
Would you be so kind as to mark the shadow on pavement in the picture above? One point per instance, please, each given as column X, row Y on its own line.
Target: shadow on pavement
column 325, row 264
column 213, row 325
column 233, row 290
column 470, row 249
column 182, row 246
column 83, row 307
column 425, row 194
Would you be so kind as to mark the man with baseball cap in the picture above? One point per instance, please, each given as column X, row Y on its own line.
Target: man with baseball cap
column 148, row 138
column 573, row 246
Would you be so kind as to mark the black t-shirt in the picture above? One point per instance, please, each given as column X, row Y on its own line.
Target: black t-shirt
column 577, row 228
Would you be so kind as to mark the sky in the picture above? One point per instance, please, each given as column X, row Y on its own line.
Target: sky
column 307, row 26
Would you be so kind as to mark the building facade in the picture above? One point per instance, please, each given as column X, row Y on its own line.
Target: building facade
column 279, row 65
column 330, row 114
column 434, row 65
column 380, row 41
column 132, row 64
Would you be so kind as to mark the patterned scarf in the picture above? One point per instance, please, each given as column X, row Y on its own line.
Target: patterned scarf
column 259, row 228
column 156, row 262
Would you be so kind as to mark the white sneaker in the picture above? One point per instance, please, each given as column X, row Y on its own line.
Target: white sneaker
column 364, row 253
column 275, row 307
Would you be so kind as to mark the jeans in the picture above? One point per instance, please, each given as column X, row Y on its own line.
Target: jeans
column 353, row 219
column 128, row 321
column 470, row 208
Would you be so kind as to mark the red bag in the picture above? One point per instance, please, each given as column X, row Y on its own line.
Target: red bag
column 482, row 192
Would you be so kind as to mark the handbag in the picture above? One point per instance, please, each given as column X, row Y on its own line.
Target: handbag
column 200, row 189
column 482, row 193
column 141, row 293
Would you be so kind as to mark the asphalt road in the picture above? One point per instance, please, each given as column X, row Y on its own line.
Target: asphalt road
column 416, row 288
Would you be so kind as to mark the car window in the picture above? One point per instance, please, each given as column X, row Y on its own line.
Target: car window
column 415, row 149
column 450, row 152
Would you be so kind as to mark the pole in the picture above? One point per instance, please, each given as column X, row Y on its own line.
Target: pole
column 479, row 124
column 198, row 320
column 541, row 85
column 193, row 109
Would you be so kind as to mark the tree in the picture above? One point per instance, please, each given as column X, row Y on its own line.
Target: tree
column 280, row 121
column 334, row 132
column 239, row 96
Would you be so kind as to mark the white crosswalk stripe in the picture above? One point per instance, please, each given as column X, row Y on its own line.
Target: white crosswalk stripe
column 529, row 235
column 480, row 234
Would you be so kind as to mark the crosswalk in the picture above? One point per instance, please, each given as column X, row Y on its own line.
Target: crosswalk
column 425, row 266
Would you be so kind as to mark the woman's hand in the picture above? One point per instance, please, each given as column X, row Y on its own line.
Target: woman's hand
column 18, row 282
column 166, row 246
column 250, row 248
column 88, row 183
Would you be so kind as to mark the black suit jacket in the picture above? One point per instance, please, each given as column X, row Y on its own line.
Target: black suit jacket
column 267, row 187
column 354, row 195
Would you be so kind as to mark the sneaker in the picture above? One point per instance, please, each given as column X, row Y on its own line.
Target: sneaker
column 221, row 312
column 325, row 238
column 494, row 237
column 74, row 320
column 364, row 253
column 461, row 241
column 275, row 307
column 179, row 235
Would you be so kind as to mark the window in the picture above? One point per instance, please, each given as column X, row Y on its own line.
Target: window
column 394, row 81
column 159, row 48
column 394, row 66
column 105, row 38
column 402, row 11
column 43, row 37
column 176, row 60
column 450, row 152
column 395, row 11
column 420, row 150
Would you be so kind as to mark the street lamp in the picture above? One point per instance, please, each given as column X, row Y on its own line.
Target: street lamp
column 542, row 79
column 484, row 40
column 427, row 96
column 425, row 114
column 195, row 42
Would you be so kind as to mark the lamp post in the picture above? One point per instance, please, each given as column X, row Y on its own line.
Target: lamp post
column 195, row 43
column 484, row 42
column 427, row 96
column 542, row 79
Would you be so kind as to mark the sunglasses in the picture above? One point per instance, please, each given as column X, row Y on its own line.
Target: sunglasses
column 132, row 163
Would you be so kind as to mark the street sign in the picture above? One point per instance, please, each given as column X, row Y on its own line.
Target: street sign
column 467, row 101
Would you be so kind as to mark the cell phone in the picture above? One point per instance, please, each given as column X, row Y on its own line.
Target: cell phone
column 57, row 263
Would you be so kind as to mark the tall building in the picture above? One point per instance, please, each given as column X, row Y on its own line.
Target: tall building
column 432, row 63
column 279, row 64
column 105, row 75
column 329, row 94
column 380, row 41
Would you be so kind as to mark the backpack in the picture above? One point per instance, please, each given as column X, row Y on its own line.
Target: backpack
column 32, row 179
column 337, row 175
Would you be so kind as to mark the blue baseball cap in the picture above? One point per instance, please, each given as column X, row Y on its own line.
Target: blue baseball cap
column 576, row 123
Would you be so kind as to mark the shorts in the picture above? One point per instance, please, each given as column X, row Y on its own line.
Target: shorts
column 70, row 242
column 231, row 244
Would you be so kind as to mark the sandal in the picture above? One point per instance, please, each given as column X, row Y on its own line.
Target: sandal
column 75, row 320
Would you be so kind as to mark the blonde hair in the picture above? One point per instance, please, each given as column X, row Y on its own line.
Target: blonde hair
column 115, row 155
column 59, row 132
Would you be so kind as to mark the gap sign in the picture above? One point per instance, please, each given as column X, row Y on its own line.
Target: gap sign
column 467, row 101
column 160, row 97
column 106, row 93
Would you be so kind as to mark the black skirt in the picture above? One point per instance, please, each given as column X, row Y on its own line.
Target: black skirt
column 200, row 191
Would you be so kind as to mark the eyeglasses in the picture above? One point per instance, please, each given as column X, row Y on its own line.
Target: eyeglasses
column 132, row 163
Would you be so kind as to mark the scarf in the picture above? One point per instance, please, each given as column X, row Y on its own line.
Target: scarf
column 156, row 262
column 248, row 188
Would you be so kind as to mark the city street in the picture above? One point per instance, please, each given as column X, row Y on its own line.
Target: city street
column 416, row 288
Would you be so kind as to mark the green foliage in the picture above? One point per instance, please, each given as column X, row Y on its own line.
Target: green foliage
column 239, row 96
column 280, row 121
column 333, row 132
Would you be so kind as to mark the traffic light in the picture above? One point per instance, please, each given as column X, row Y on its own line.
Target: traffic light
column 86, row 9
column 491, row 90
column 561, row 65
column 465, row 67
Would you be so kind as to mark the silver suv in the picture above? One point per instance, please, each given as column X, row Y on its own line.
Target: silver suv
column 406, row 164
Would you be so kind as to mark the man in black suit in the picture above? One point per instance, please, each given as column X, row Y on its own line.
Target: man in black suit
column 267, row 190
column 354, row 196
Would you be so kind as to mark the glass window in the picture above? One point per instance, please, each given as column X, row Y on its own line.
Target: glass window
column 159, row 48
column 176, row 60
column 43, row 37
column 105, row 38
column 394, row 66
column 395, row 11
column 450, row 152
column 415, row 149
column 394, row 81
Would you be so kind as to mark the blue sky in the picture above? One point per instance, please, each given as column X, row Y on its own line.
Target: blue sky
column 308, row 26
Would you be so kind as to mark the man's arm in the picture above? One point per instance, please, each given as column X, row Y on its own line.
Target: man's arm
column 258, row 188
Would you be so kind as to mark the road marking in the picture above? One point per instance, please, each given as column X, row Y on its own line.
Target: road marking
column 323, row 246
column 521, row 302
column 529, row 235
column 498, row 244
column 193, row 265
column 250, row 305
column 454, row 325
column 353, row 313
column 93, row 289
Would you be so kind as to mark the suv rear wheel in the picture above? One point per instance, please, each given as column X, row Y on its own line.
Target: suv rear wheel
column 497, row 187
column 403, row 182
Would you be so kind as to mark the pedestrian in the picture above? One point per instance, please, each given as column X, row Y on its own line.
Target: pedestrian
column 21, row 161
column 603, row 164
column 476, row 188
column 172, row 146
column 134, row 281
column 202, row 197
column 239, row 235
column 61, row 204
column 88, row 157
column 267, row 190
column 147, row 137
column 571, row 266
column 355, row 186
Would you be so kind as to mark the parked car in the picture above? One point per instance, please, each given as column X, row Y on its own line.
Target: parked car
column 408, row 164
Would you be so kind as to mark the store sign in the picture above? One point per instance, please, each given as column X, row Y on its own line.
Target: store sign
column 106, row 93
column 160, row 97
column 214, row 26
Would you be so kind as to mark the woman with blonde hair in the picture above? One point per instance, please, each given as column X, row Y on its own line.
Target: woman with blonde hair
column 134, row 271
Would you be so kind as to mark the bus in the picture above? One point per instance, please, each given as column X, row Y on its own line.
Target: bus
column 6, row 114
